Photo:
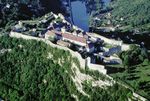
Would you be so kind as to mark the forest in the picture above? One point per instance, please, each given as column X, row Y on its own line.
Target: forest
column 136, row 74
column 27, row 74
column 14, row 10
column 94, row 5
column 128, row 15
column 133, row 14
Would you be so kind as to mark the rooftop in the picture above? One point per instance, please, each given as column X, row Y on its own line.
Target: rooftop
column 74, row 37
column 69, row 36
column 62, row 43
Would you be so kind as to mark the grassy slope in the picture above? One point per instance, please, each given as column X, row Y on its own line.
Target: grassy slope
column 135, row 12
column 23, row 69
column 139, row 74
column 27, row 74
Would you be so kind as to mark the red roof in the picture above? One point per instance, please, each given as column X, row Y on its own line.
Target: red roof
column 69, row 36
column 54, row 32
column 75, row 38
column 50, row 32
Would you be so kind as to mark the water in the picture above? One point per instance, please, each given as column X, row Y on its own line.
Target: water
column 80, row 15
column 81, row 19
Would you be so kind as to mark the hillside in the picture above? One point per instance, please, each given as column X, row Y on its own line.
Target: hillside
column 31, row 70
column 131, row 14
column 14, row 10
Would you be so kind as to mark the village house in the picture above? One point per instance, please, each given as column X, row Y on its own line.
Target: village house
column 90, row 47
column 63, row 43
column 53, row 34
column 81, row 41
column 77, row 39
column 112, row 51
column 19, row 27
column 112, row 60
column 107, row 60
column 93, row 66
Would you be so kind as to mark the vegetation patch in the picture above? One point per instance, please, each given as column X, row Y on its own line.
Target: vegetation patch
column 27, row 74
column 136, row 72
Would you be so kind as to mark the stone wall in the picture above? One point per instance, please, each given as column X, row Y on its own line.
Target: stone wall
column 124, row 47
column 139, row 98
column 74, row 54
column 97, row 67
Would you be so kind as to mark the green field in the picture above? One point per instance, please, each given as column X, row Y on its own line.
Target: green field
column 138, row 78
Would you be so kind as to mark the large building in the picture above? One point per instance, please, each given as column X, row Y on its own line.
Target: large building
column 81, row 41
column 76, row 39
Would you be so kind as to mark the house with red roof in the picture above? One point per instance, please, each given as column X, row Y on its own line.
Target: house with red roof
column 79, row 40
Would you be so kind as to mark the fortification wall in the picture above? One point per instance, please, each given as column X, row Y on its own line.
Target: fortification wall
column 74, row 54
column 124, row 47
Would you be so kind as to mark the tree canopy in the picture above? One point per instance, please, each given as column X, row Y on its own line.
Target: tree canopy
column 30, row 70
column 135, row 14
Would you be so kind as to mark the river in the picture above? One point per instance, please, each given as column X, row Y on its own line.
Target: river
column 81, row 19
column 80, row 15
